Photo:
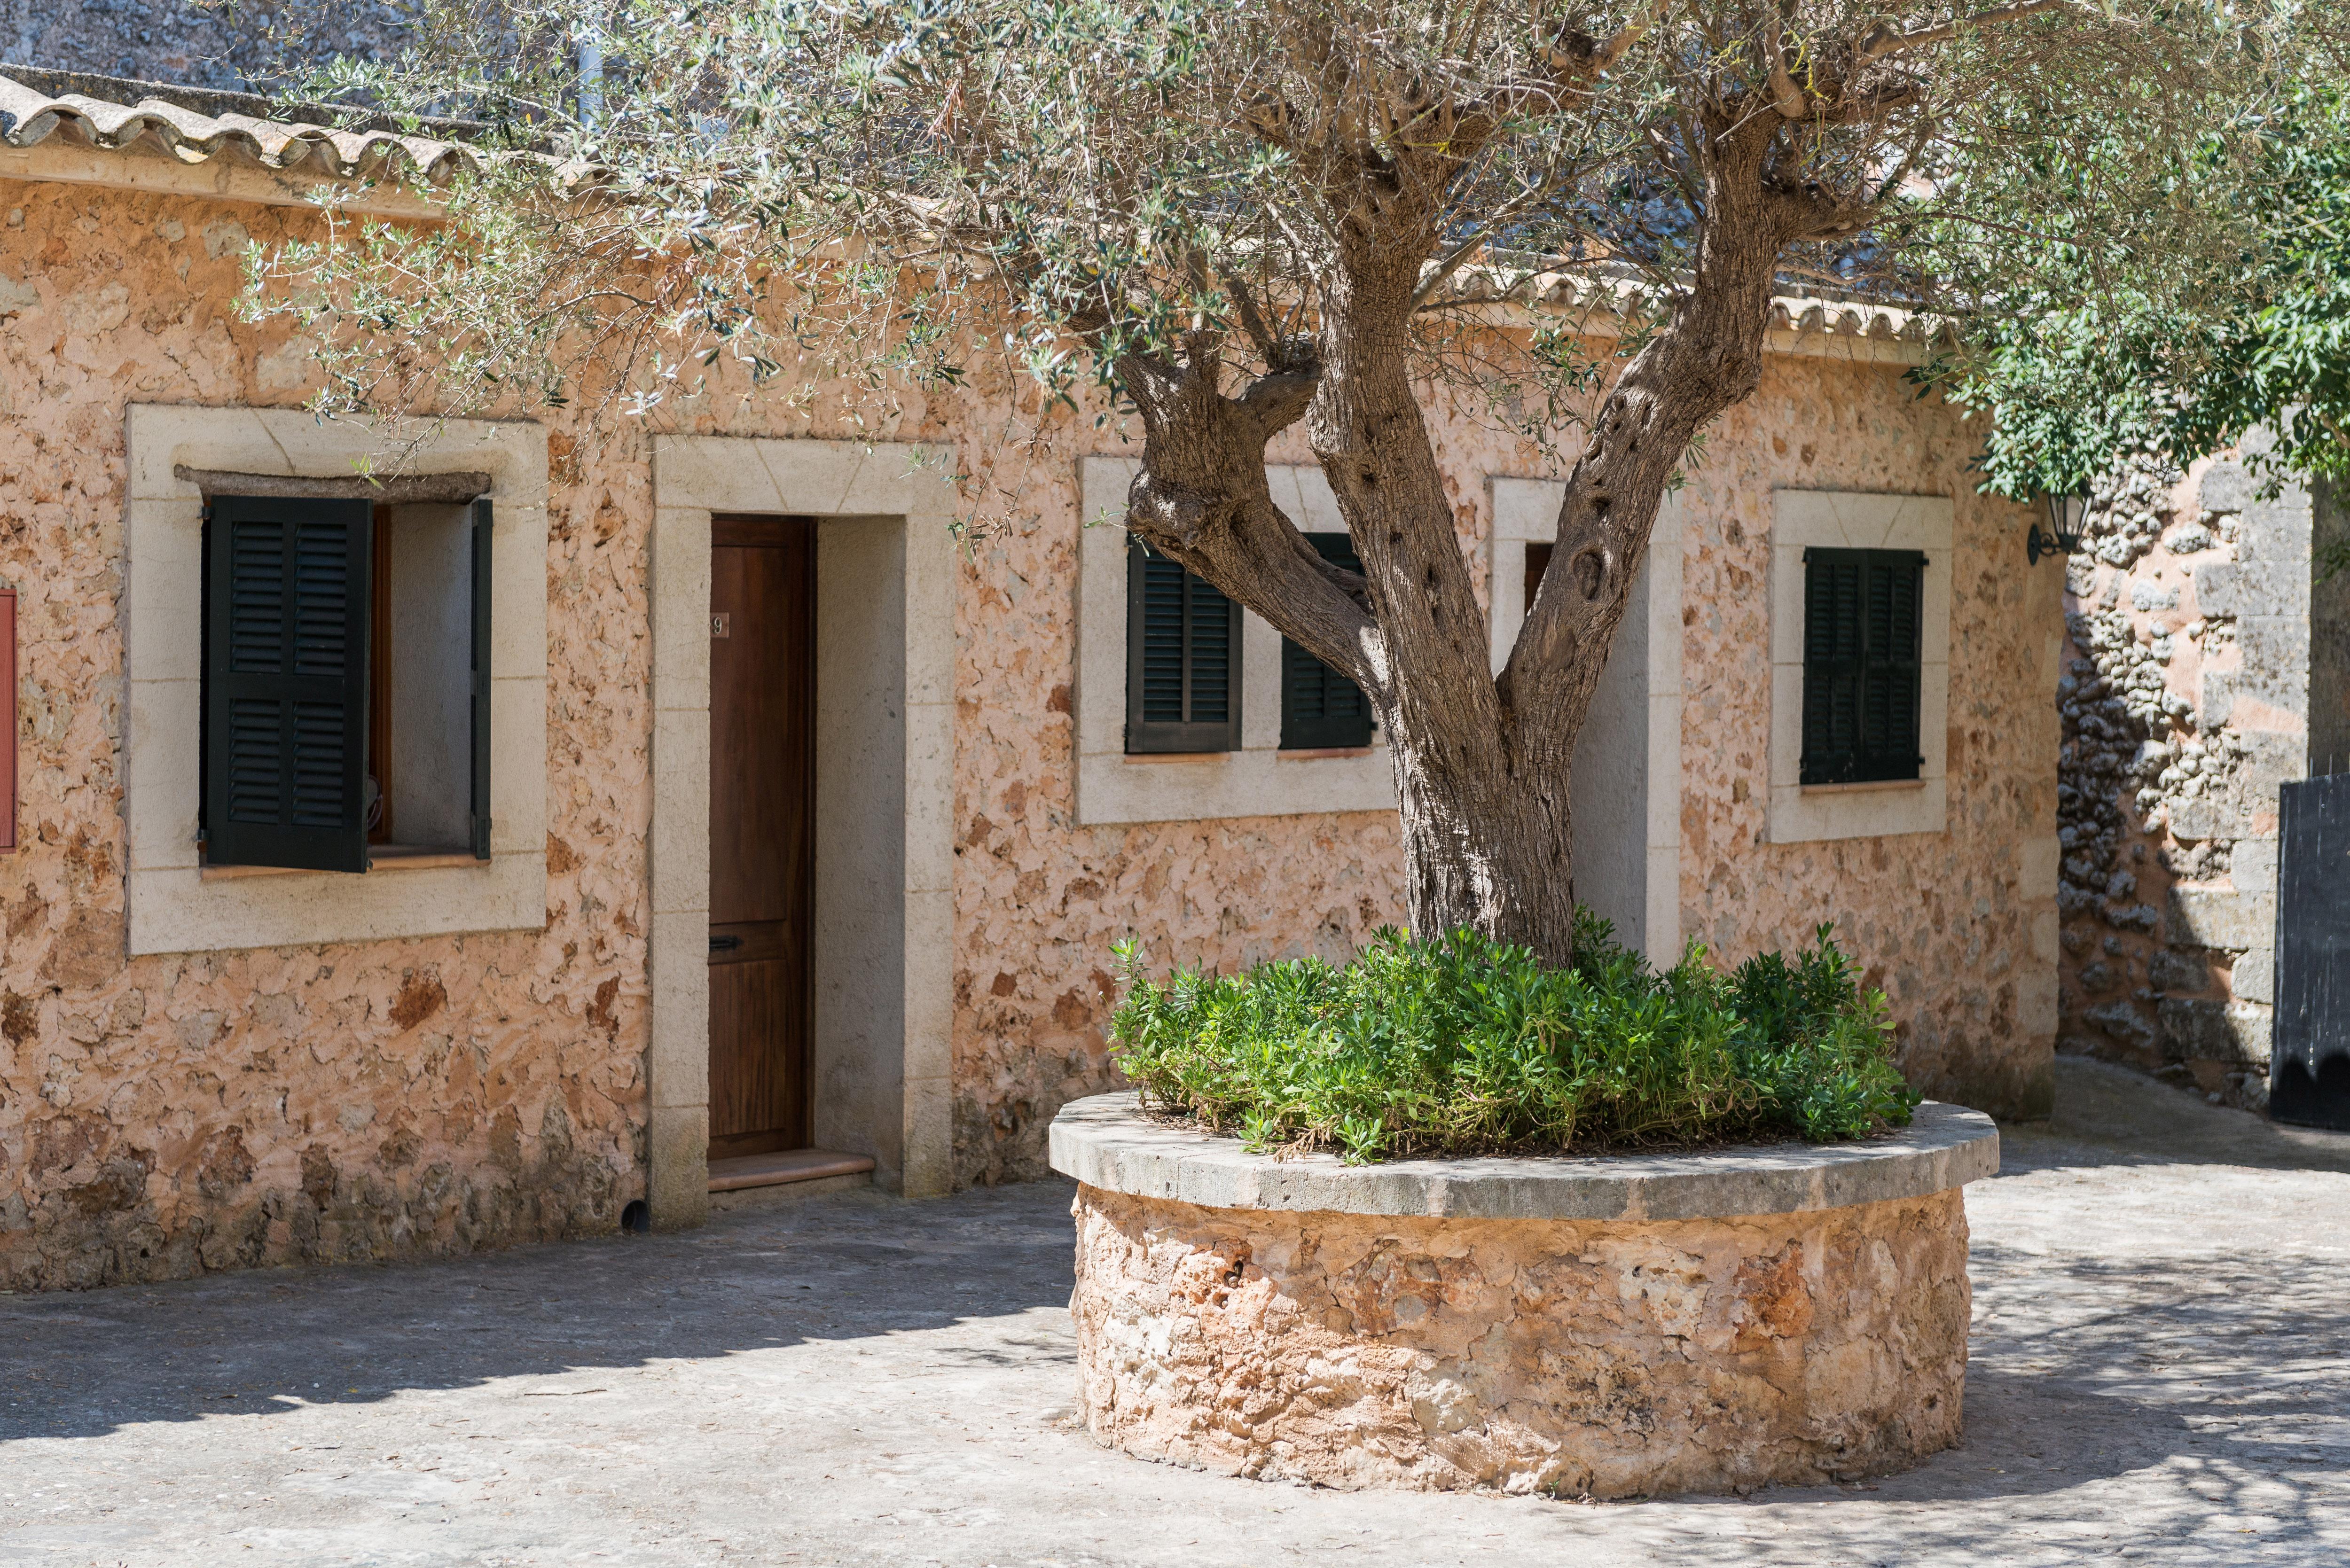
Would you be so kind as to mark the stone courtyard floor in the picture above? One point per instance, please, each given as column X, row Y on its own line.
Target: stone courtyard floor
column 2161, row 1374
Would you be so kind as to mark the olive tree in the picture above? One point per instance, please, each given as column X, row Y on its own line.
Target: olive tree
column 2199, row 357
column 1233, row 216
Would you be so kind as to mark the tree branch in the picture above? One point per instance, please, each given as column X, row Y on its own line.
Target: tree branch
column 1202, row 500
column 1785, row 95
column 1884, row 42
column 1578, row 57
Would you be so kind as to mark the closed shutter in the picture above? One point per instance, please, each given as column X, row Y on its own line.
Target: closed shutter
column 287, row 601
column 1321, row 708
column 1862, row 614
column 1182, row 658
column 480, row 792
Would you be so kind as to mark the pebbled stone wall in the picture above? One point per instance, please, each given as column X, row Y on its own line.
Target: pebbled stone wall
column 2202, row 671
column 1574, row 1358
column 167, row 1114
column 1960, row 928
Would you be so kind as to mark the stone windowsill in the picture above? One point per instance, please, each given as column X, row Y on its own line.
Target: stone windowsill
column 1865, row 786
column 1299, row 755
column 382, row 857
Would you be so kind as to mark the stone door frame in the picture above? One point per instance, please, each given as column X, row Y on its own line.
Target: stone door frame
column 885, row 856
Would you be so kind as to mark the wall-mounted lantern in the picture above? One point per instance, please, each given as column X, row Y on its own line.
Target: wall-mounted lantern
column 2068, row 519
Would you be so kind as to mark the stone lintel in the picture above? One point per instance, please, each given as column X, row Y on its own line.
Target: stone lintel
column 1107, row 1142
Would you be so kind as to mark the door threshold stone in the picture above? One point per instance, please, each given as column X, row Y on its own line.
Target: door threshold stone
column 749, row 1170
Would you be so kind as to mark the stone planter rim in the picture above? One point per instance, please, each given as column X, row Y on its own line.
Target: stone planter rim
column 1105, row 1141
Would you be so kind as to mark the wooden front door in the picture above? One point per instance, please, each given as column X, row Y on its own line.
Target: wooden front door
column 762, row 831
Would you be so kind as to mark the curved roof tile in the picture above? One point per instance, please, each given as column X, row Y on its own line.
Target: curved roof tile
column 29, row 116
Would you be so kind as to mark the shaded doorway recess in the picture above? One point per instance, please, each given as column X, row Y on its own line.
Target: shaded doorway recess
column 762, row 659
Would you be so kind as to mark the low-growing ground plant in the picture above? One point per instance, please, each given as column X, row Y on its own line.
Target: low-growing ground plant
column 1461, row 1044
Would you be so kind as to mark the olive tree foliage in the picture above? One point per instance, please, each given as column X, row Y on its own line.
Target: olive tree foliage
column 1232, row 216
column 2097, row 358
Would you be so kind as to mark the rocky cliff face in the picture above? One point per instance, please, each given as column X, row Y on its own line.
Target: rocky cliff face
column 243, row 46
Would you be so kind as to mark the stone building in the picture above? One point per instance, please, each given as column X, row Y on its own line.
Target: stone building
column 2207, row 663
column 519, row 1009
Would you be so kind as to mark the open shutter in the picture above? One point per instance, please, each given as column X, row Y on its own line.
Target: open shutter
column 1182, row 659
column 1862, row 614
column 480, row 694
column 1321, row 708
column 287, row 601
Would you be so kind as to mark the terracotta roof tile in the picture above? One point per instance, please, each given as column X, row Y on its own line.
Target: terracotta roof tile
column 196, row 125
column 32, row 110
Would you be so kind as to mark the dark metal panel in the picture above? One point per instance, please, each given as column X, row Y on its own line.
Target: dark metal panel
column 2309, row 1071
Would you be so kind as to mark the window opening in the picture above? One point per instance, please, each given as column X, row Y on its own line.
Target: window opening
column 1182, row 653
column 1862, row 614
column 345, row 687
column 1321, row 710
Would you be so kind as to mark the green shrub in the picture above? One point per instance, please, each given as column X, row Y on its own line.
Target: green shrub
column 1464, row 1045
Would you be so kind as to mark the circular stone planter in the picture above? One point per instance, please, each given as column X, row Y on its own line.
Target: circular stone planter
column 1620, row 1327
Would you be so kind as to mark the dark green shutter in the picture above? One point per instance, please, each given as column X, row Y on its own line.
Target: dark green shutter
column 480, row 667
column 1321, row 708
column 1862, row 614
column 1182, row 658
column 286, row 600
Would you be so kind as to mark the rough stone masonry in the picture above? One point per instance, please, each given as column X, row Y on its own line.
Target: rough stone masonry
column 2206, row 665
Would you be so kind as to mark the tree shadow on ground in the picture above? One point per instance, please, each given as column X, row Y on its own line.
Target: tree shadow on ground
column 2229, row 1374
column 833, row 1269
column 2219, row 1363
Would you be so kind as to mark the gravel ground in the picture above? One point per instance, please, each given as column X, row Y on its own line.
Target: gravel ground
column 2161, row 1374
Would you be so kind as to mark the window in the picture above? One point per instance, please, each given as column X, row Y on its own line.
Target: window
column 1321, row 710
column 1182, row 659
column 1862, row 613
column 1537, row 563
column 1249, row 774
column 1625, row 779
column 345, row 693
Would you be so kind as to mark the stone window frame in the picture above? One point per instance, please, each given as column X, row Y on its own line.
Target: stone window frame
column 1260, row 779
column 175, row 905
column 1858, row 520
column 1641, row 689
column 884, row 962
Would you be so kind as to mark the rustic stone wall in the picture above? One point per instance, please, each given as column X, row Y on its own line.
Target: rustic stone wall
column 165, row 1114
column 1571, row 1357
column 1955, row 927
column 2195, row 685
column 1960, row 929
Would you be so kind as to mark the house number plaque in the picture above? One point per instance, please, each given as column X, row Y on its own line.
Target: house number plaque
column 722, row 625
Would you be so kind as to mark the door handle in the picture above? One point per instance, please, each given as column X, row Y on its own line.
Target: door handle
column 726, row 944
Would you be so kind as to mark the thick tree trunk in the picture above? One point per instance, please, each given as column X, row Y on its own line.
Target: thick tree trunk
column 1488, row 833
column 1482, row 849
column 1482, row 764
